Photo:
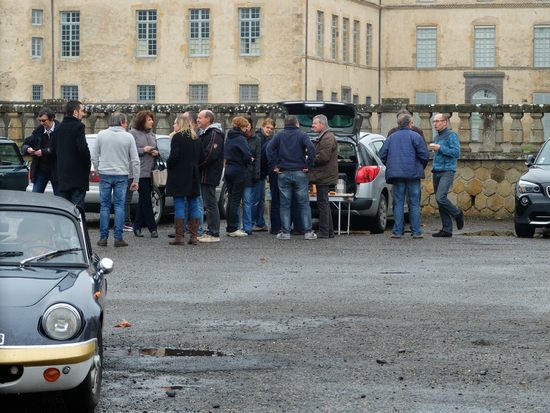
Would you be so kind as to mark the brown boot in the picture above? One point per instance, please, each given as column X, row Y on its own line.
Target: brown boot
column 178, row 240
column 195, row 222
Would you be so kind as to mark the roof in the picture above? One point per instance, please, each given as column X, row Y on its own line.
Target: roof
column 18, row 199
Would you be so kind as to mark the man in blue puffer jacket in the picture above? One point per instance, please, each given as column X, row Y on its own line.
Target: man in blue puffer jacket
column 405, row 155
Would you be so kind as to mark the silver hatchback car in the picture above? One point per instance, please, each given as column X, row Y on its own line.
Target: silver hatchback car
column 358, row 159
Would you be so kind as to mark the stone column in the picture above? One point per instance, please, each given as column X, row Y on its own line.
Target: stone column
column 367, row 126
column 15, row 130
column 464, row 132
column 449, row 124
column 86, row 122
column 426, row 126
column 163, row 128
column 537, row 132
column 100, row 122
column 499, row 131
column 31, row 123
column 487, row 131
column 516, row 132
column 2, row 124
column 379, row 127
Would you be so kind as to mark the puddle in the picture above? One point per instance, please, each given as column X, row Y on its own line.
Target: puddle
column 164, row 352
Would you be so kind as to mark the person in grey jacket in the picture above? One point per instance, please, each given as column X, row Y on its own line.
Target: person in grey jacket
column 110, row 155
column 146, row 144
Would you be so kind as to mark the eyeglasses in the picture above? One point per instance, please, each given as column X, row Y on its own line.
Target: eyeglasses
column 437, row 120
column 43, row 120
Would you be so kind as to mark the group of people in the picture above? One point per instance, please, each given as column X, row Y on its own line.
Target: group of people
column 290, row 161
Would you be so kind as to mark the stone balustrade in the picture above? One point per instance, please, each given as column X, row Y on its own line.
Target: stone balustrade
column 488, row 168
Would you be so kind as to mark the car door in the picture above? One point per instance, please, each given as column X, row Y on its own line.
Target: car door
column 13, row 171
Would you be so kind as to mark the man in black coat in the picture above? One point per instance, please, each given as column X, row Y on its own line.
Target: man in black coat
column 73, row 155
column 40, row 146
column 211, row 169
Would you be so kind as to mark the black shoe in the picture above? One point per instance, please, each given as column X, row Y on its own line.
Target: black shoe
column 460, row 220
column 137, row 233
column 442, row 234
column 249, row 232
column 321, row 235
column 154, row 234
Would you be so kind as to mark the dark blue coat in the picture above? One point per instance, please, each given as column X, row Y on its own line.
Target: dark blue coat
column 405, row 155
column 237, row 154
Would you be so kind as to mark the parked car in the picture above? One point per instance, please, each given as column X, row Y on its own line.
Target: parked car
column 161, row 203
column 13, row 169
column 358, row 159
column 533, row 195
column 52, row 300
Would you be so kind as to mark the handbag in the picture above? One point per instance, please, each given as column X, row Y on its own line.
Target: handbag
column 159, row 172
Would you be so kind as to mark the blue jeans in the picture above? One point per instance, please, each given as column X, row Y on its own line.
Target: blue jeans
column 442, row 185
column 187, row 207
column 400, row 187
column 41, row 181
column 258, row 212
column 295, row 182
column 115, row 184
column 250, row 203
column 275, row 214
column 181, row 203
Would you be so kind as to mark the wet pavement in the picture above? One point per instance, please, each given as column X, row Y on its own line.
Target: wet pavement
column 357, row 323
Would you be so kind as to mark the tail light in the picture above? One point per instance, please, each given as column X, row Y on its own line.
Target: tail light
column 366, row 174
column 94, row 176
column 29, row 174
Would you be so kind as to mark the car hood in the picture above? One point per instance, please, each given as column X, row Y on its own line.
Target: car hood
column 24, row 287
column 538, row 174
column 343, row 118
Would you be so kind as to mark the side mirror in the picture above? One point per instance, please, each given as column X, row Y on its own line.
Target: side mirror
column 106, row 265
column 530, row 160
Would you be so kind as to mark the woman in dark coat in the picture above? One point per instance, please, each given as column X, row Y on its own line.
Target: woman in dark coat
column 183, row 182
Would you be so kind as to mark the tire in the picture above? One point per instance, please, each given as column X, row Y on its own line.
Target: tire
column 377, row 224
column 85, row 397
column 222, row 202
column 522, row 230
column 157, row 200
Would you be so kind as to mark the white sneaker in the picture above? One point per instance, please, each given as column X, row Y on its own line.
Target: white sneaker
column 209, row 238
column 282, row 235
column 238, row 233
column 310, row 235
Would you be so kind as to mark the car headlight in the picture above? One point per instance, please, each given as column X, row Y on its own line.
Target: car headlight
column 525, row 187
column 61, row 322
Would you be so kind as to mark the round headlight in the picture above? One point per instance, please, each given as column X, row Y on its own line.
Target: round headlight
column 61, row 322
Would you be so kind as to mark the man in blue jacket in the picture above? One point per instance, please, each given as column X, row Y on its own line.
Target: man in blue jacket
column 293, row 154
column 405, row 155
column 447, row 151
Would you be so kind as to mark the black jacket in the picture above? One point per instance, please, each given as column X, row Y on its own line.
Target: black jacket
column 212, row 167
column 35, row 142
column 183, row 166
column 253, row 175
column 73, row 155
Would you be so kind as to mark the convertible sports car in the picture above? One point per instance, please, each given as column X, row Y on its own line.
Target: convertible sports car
column 52, row 292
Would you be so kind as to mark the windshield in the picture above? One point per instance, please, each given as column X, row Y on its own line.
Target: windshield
column 25, row 235
column 544, row 156
column 336, row 121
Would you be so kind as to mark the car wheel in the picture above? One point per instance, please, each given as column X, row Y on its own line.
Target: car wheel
column 222, row 202
column 379, row 221
column 522, row 230
column 157, row 200
column 85, row 397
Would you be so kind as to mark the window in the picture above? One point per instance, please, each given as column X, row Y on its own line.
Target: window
column 345, row 32
column 355, row 99
column 369, row 44
column 37, row 46
column 426, row 47
column 199, row 32
column 484, row 46
column 249, row 31
column 319, row 95
column 480, row 97
column 37, row 17
column 248, row 93
column 425, row 99
column 146, row 93
column 69, row 92
column 198, row 93
column 346, row 94
column 355, row 42
column 37, row 93
column 146, row 33
column 542, row 47
column 368, row 100
column 334, row 45
column 70, row 34
column 543, row 99
column 334, row 97
column 320, row 17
